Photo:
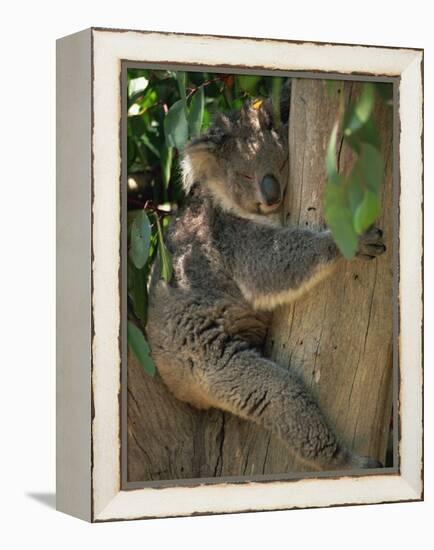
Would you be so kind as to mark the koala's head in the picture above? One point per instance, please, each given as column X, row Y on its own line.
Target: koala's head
column 242, row 161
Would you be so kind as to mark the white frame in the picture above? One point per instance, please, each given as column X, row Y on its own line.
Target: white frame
column 89, row 310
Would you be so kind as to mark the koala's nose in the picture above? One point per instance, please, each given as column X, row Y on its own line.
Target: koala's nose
column 270, row 190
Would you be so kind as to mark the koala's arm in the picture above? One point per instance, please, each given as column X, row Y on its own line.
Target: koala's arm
column 274, row 266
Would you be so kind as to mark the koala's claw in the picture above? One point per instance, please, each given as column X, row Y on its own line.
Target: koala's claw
column 371, row 244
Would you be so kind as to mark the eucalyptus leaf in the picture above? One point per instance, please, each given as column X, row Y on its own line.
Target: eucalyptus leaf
column 166, row 267
column 195, row 115
column 237, row 104
column 206, row 119
column 141, row 101
column 362, row 109
column 140, row 348
column 140, row 239
column 181, row 77
column 365, row 105
column 339, row 217
column 137, row 124
column 176, row 126
column 150, row 145
column 248, row 83
column 368, row 133
column 137, row 291
column 334, row 194
column 276, row 87
column 367, row 212
column 355, row 192
column 331, row 163
column 166, row 164
column 339, row 220
column 137, row 85
column 149, row 99
column 369, row 167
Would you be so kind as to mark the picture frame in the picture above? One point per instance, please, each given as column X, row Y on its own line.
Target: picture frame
column 91, row 337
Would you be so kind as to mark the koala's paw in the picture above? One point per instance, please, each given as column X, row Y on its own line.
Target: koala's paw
column 371, row 244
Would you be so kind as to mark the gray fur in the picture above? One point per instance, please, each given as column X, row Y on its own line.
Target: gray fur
column 233, row 263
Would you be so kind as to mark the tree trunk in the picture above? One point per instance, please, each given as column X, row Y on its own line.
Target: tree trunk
column 338, row 337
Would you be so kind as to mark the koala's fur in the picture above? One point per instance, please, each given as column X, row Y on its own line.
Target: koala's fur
column 233, row 263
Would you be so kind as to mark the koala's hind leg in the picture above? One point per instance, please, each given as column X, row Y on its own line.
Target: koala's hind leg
column 257, row 389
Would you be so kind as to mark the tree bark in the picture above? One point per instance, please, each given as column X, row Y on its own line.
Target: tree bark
column 338, row 337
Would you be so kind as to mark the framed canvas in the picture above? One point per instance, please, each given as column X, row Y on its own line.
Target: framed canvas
column 183, row 162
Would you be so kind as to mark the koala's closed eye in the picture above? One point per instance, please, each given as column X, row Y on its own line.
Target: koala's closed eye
column 246, row 176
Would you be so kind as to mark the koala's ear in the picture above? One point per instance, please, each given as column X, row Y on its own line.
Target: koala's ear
column 264, row 108
column 200, row 162
column 207, row 142
column 250, row 113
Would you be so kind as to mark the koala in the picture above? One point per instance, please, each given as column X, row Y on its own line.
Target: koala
column 233, row 263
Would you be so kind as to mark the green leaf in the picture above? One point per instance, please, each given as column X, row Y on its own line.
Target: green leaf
column 181, row 77
column 149, row 99
column 248, row 83
column 135, row 73
column 339, row 220
column 331, row 164
column 140, row 348
column 137, row 124
column 367, row 133
column 140, row 239
column 334, row 194
column 236, row 104
column 362, row 110
column 176, row 126
column 150, row 145
column 137, row 291
column 355, row 192
column 367, row 212
column 276, row 86
column 140, row 101
column 365, row 104
column 369, row 167
column 206, row 119
column 166, row 267
column 166, row 164
column 137, row 85
column 195, row 115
